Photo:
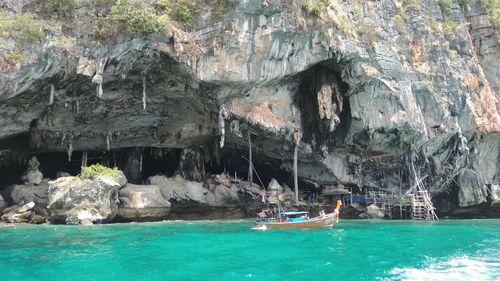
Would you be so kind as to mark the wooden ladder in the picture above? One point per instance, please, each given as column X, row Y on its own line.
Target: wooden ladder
column 422, row 206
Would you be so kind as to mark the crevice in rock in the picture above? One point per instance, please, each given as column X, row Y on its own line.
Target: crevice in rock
column 324, row 107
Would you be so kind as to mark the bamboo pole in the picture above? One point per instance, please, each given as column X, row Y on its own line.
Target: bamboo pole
column 250, row 167
column 295, row 176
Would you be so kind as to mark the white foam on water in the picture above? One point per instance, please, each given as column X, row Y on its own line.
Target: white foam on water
column 260, row 227
column 456, row 268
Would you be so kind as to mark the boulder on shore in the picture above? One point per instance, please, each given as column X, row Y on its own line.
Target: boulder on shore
column 93, row 199
column 18, row 213
column 372, row 212
column 221, row 196
column 142, row 203
column 28, row 192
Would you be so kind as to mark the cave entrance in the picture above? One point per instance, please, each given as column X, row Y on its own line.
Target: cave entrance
column 324, row 106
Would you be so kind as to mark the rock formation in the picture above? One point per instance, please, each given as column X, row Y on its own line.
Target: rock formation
column 220, row 197
column 33, row 174
column 372, row 212
column 21, row 194
column 142, row 203
column 18, row 213
column 3, row 204
column 74, row 200
column 374, row 88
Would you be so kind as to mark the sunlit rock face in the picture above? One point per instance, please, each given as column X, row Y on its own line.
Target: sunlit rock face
column 371, row 87
column 73, row 200
column 142, row 203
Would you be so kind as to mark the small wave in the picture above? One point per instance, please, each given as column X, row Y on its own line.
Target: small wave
column 261, row 227
column 458, row 268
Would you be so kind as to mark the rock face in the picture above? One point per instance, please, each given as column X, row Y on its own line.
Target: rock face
column 372, row 212
column 84, row 201
column 212, row 199
column 21, row 194
column 495, row 195
column 18, row 213
column 372, row 87
column 3, row 204
column 33, row 174
column 142, row 203
column 278, row 193
column 472, row 189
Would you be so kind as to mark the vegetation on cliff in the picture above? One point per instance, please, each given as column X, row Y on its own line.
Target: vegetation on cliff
column 98, row 170
column 493, row 9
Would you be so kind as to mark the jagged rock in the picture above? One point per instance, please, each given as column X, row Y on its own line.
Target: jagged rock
column 142, row 203
column 23, row 193
column 472, row 189
column 84, row 201
column 37, row 219
column 33, row 174
column 197, row 200
column 3, row 204
column 274, row 186
column 191, row 165
column 372, row 212
column 278, row 193
column 18, row 213
column 495, row 195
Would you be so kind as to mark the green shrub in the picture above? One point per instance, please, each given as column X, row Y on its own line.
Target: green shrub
column 314, row 6
column 183, row 12
column 98, row 170
column 445, row 6
column 60, row 9
column 493, row 9
column 15, row 57
column 136, row 16
column 464, row 3
column 413, row 5
column 24, row 27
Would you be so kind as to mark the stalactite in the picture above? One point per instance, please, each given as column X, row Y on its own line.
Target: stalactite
column 223, row 114
column 52, row 90
column 99, row 90
column 140, row 163
column 144, row 91
column 77, row 107
column 84, row 159
column 98, row 77
column 70, row 150
column 108, row 137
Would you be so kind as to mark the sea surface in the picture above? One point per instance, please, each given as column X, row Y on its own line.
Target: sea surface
column 211, row 250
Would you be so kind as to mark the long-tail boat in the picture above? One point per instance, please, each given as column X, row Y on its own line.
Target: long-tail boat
column 274, row 217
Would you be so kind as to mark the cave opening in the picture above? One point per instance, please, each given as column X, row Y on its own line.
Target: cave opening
column 325, row 108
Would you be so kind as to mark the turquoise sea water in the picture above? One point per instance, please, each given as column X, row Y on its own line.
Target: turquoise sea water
column 353, row 250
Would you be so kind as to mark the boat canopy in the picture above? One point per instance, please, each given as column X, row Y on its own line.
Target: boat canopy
column 295, row 213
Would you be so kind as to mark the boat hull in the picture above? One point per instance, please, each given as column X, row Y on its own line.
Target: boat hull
column 318, row 222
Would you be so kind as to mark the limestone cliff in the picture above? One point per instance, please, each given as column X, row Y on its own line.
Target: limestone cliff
column 372, row 87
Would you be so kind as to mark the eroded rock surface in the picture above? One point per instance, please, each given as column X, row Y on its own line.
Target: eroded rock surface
column 18, row 213
column 73, row 200
column 216, row 198
column 21, row 194
column 142, row 203
column 3, row 204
